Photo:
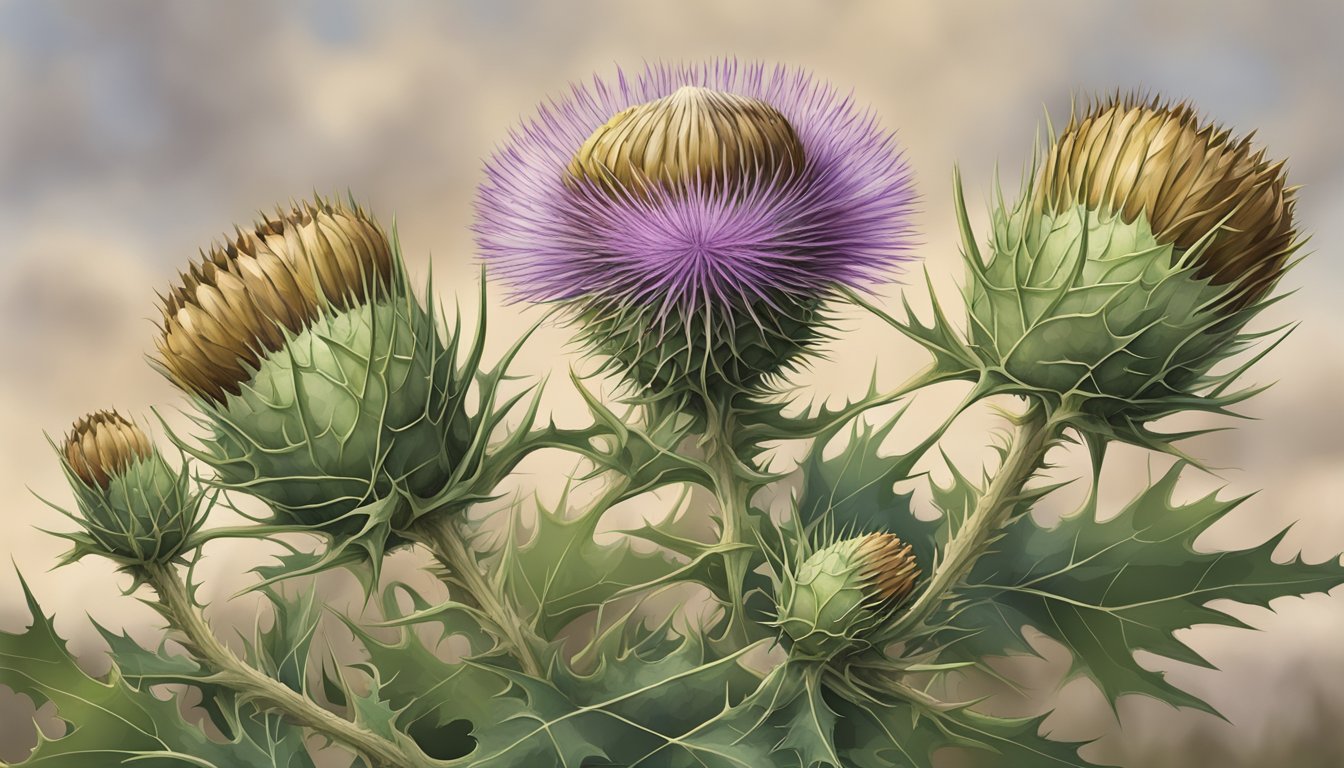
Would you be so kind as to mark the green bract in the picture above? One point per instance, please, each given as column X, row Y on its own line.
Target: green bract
column 143, row 515
column 349, row 408
column 323, row 384
column 842, row 591
column 1143, row 244
column 714, row 354
column 1092, row 308
column 132, row 506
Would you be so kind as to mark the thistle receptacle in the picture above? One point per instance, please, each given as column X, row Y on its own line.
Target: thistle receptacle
column 842, row 592
column 695, row 220
column 133, row 507
column 322, row 380
column 1126, row 272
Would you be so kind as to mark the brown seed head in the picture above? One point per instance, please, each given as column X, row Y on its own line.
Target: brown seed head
column 233, row 308
column 102, row 445
column 1125, row 157
column 720, row 139
column 889, row 566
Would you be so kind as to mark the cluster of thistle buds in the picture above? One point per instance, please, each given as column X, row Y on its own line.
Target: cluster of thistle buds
column 697, row 226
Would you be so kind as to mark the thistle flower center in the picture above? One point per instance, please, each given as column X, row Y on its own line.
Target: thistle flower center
column 695, row 135
column 235, row 306
column 1187, row 179
column 103, row 445
column 889, row 565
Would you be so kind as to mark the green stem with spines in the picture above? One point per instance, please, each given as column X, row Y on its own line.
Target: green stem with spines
column 732, row 491
column 228, row 670
column 1035, row 434
column 442, row 535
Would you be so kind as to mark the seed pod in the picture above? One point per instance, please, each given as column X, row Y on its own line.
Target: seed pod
column 844, row 591
column 1125, row 273
column 323, row 381
column 132, row 506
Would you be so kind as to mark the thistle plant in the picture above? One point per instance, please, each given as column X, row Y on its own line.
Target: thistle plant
column 702, row 229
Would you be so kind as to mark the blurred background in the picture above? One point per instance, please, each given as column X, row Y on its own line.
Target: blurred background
column 132, row 134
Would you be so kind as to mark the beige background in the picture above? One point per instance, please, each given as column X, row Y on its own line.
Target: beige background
column 133, row 133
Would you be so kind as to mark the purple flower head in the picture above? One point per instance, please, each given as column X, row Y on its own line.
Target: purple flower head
column 802, row 192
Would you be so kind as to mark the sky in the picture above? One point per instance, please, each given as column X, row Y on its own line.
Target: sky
column 135, row 133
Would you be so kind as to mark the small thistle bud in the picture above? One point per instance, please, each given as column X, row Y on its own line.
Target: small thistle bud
column 133, row 506
column 696, row 220
column 692, row 136
column 1126, row 272
column 844, row 591
column 322, row 379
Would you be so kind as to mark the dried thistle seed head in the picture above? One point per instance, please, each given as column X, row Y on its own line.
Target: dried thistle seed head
column 236, row 306
column 693, row 136
column 1187, row 178
column 103, row 445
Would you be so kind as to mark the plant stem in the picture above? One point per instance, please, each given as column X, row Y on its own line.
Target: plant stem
column 441, row 535
column 1034, row 436
column 270, row 694
column 732, row 491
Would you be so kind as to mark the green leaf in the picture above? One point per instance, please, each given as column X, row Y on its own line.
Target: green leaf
column 561, row 572
column 111, row 721
column 437, row 702
column 907, row 734
column 808, row 723
column 854, row 491
column 1108, row 589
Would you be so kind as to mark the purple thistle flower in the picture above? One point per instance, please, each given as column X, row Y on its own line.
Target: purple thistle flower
column 696, row 218
column 843, row 219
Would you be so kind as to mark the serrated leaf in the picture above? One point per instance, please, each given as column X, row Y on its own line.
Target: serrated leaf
column 560, row 571
column 907, row 735
column 808, row 724
column 109, row 721
column 1108, row 589
column 854, row 491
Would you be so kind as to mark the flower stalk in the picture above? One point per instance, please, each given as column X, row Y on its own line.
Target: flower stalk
column 228, row 670
column 1035, row 434
column 444, row 538
column 732, row 492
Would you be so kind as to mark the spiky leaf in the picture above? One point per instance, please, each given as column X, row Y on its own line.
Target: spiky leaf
column 110, row 721
column 1108, row 589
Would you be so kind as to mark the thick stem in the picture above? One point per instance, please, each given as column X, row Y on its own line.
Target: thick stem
column 732, row 491
column 440, row 534
column 269, row 694
column 1035, row 433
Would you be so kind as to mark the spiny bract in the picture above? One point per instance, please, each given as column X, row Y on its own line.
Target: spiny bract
column 133, row 507
column 323, row 381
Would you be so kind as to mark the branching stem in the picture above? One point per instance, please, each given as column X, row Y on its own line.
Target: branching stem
column 1034, row 435
column 440, row 533
column 230, row 671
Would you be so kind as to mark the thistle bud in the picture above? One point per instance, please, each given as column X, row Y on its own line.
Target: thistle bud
column 1125, row 273
column 841, row 593
column 133, row 506
column 323, row 381
column 694, row 135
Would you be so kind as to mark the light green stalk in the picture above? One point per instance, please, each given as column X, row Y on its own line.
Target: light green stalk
column 442, row 536
column 228, row 670
column 1034, row 436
